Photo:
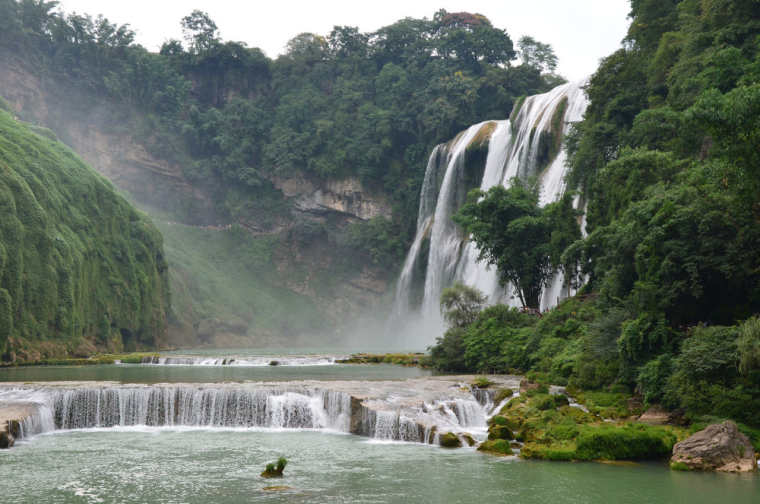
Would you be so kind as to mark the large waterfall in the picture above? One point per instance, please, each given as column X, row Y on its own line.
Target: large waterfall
column 486, row 154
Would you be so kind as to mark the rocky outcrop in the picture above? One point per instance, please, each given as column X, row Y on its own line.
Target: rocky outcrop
column 719, row 447
column 347, row 196
column 12, row 417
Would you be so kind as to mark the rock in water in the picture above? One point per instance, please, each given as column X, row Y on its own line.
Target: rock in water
column 719, row 447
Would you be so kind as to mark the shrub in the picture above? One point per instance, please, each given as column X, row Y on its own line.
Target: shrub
column 629, row 442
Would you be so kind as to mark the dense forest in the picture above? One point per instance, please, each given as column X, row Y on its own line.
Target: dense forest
column 340, row 106
column 80, row 269
column 370, row 105
column 667, row 160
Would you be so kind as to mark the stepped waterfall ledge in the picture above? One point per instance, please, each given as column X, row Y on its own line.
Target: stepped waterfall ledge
column 416, row 410
column 527, row 146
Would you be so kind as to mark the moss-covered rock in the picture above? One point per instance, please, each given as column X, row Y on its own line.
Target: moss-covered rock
column 496, row 446
column 496, row 431
column 275, row 470
column 450, row 440
column 502, row 394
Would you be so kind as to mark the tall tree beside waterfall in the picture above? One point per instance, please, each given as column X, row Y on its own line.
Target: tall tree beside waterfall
column 523, row 240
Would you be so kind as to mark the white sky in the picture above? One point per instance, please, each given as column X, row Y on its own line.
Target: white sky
column 580, row 31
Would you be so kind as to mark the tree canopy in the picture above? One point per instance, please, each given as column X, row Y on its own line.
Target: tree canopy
column 523, row 240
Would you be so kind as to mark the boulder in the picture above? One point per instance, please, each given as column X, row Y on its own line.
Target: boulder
column 6, row 440
column 719, row 447
column 450, row 440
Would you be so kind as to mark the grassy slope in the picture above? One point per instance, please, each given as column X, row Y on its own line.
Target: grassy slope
column 79, row 267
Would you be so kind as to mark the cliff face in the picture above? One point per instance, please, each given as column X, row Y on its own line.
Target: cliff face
column 306, row 266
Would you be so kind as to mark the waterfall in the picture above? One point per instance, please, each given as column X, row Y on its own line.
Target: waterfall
column 525, row 147
column 203, row 407
column 246, row 361
column 396, row 416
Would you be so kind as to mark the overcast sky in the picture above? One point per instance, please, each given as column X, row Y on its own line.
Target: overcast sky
column 581, row 31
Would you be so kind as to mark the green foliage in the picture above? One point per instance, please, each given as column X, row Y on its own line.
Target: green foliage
column 368, row 105
column 748, row 346
column 629, row 442
column 523, row 240
column 667, row 161
column 72, row 254
column 275, row 470
column 482, row 382
column 380, row 239
column 450, row 440
column 460, row 304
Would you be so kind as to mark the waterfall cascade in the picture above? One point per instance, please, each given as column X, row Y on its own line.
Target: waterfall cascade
column 245, row 361
column 528, row 145
column 387, row 412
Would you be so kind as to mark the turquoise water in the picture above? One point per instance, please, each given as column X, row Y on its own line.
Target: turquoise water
column 218, row 465
column 138, row 373
column 223, row 466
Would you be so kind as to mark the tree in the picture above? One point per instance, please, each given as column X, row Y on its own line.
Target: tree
column 460, row 304
column 537, row 54
column 200, row 31
column 524, row 241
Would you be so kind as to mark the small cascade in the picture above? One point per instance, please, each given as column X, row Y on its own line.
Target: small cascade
column 529, row 146
column 207, row 407
column 40, row 421
column 270, row 360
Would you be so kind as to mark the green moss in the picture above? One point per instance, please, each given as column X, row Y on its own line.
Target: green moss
column 516, row 110
column 499, row 432
column 73, row 254
column 414, row 359
column 502, row 394
column 482, row 382
column 496, row 446
column 498, row 420
column 563, row 451
column 449, row 440
column 680, row 466
column 482, row 137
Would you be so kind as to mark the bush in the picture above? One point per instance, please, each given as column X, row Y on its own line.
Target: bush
column 629, row 442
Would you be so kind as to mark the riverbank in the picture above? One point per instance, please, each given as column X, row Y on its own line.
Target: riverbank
column 126, row 358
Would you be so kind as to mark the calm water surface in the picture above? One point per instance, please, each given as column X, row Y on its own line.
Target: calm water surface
column 137, row 373
column 223, row 466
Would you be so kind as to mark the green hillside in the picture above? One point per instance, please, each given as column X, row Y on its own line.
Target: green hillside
column 80, row 269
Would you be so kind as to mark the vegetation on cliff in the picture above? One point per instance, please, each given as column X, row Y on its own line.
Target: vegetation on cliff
column 80, row 269
column 667, row 159
column 364, row 106
column 369, row 105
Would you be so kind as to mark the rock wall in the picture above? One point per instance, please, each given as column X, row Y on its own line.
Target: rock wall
column 347, row 196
